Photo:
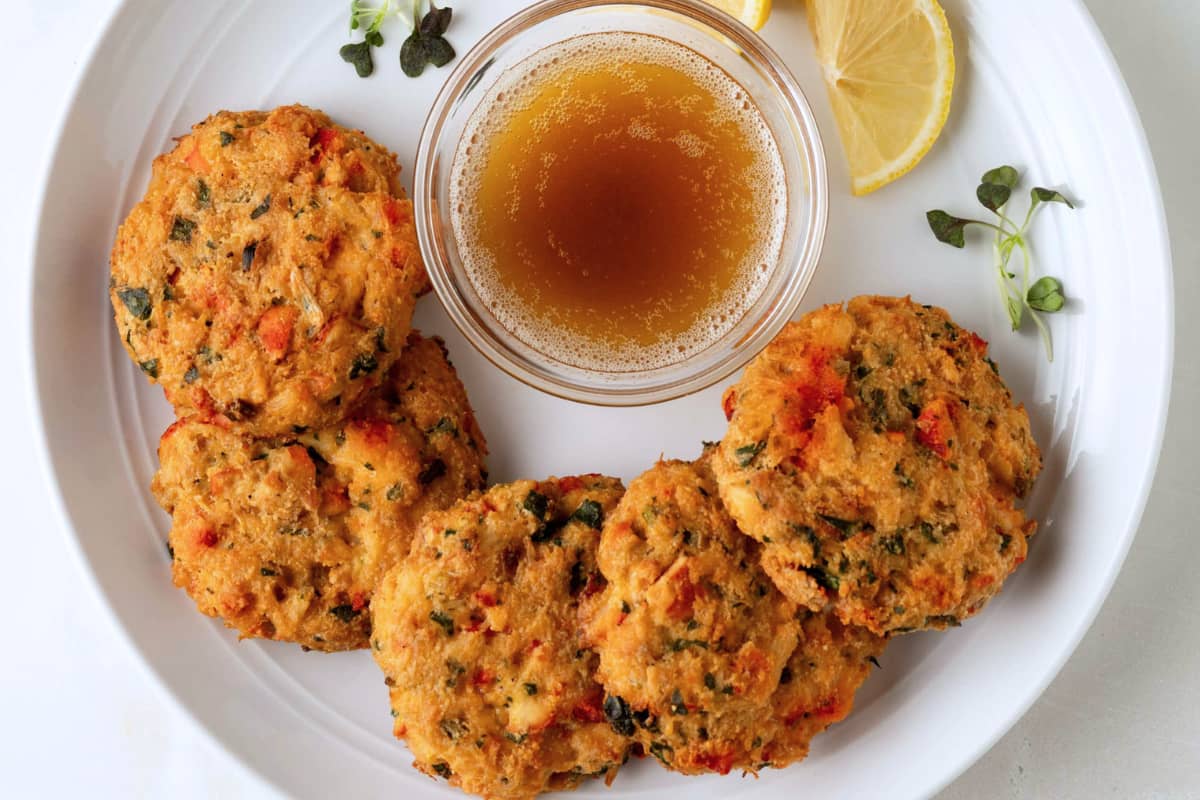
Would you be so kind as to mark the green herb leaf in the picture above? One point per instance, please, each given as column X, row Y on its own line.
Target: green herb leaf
column 616, row 711
column 248, row 256
column 894, row 544
column 358, row 54
column 454, row 729
column 137, row 302
column 374, row 38
column 589, row 513
column 682, row 644
column 438, row 50
column 845, row 527
column 363, row 364
column 150, row 367
column 226, row 138
column 181, row 230
column 746, row 454
column 948, row 229
column 436, row 20
column 536, row 503
column 824, row 578
column 1039, row 195
column 443, row 619
column 993, row 196
column 1002, row 176
column 413, row 56
column 1046, row 295
column 662, row 751
column 261, row 208
column 203, row 194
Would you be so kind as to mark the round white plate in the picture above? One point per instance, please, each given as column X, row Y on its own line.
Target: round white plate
column 1036, row 88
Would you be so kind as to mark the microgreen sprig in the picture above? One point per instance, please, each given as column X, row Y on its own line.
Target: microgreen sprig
column 1044, row 295
column 370, row 20
column 425, row 45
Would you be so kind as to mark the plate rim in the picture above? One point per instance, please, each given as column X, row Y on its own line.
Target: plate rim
column 1127, row 108
column 1091, row 36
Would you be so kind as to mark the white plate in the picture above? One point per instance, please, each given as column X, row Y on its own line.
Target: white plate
column 1036, row 88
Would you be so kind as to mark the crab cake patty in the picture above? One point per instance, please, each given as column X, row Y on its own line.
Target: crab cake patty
column 477, row 633
column 270, row 271
column 698, row 650
column 878, row 456
column 286, row 538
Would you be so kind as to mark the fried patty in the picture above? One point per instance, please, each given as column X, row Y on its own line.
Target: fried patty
column 491, row 685
column 285, row 538
column 876, row 453
column 705, row 662
column 270, row 271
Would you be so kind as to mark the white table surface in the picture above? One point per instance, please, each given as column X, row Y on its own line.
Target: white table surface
column 79, row 714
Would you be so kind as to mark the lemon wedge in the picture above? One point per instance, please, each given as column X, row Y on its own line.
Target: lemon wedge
column 752, row 13
column 889, row 67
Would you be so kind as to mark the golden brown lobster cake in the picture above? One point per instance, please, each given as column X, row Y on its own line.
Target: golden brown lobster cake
column 706, row 664
column 875, row 452
column 269, row 273
column 285, row 538
column 491, row 685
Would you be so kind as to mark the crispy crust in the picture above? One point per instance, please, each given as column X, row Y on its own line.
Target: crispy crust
column 878, row 456
column 270, row 271
column 476, row 631
column 707, row 664
column 285, row 538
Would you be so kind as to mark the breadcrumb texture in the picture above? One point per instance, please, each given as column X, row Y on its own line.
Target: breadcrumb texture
column 875, row 452
column 491, row 685
column 285, row 538
column 269, row 273
column 706, row 663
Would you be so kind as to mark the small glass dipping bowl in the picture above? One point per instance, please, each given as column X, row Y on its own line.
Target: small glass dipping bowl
column 718, row 38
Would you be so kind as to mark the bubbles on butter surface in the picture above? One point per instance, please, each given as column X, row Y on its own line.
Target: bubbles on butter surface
column 516, row 90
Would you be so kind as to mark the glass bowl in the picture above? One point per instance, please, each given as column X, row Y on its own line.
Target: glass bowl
column 721, row 40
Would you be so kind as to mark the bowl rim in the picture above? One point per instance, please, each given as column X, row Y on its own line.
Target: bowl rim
column 777, row 309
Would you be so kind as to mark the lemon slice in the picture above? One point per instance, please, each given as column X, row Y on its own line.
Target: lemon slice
column 889, row 67
column 752, row 13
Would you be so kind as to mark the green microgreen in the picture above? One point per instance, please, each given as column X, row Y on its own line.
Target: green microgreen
column 425, row 45
column 370, row 20
column 1045, row 296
